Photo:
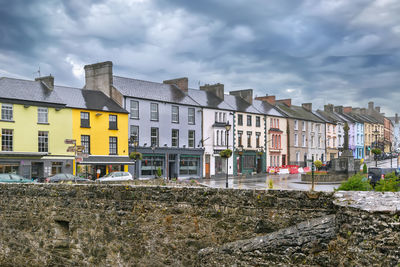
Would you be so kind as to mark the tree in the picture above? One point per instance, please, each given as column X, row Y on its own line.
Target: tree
column 318, row 164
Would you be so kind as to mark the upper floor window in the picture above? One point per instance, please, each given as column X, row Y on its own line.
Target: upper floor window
column 113, row 145
column 134, row 133
column 191, row 138
column 42, row 115
column 175, row 114
column 240, row 119
column 154, row 137
column 258, row 121
column 296, row 124
column 248, row 120
column 154, row 111
column 249, row 139
column 85, row 120
column 134, row 109
column 113, row 122
column 304, row 141
column 191, row 117
column 7, row 112
column 240, row 134
column 277, row 123
column 85, row 142
column 224, row 116
column 258, row 139
column 175, row 138
column 296, row 140
column 303, row 123
column 7, row 140
column 43, row 141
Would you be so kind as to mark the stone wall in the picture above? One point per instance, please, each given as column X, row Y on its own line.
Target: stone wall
column 148, row 226
column 108, row 225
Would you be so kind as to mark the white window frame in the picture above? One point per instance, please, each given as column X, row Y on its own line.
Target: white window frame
column 7, row 112
column 154, row 112
column 43, row 116
column 175, row 114
column 134, row 110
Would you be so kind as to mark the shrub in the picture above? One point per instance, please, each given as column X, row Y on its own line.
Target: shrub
column 365, row 169
column 227, row 153
column 318, row 164
column 391, row 183
column 376, row 151
column 159, row 173
column 355, row 183
column 136, row 156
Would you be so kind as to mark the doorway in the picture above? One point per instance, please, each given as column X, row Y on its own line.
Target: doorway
column 37, row 171
column 207, row 166
column 172, row 166
column 259, row 165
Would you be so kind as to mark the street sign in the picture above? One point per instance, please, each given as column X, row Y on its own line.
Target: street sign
column 79, row 159
column 80, row 148
column 70, row 141
column 71, row 149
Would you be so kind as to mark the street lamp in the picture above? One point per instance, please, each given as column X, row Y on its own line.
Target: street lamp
column 135, row 145
column 376, row 132
column 153, row 147
column 227, row 128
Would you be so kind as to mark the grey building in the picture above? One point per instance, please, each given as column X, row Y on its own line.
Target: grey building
column 164, row 121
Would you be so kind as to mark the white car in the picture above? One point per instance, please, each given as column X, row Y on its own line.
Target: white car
column 116, row 176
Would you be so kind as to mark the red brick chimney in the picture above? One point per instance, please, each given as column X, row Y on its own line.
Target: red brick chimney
column 268, row 98
column 347, row 109
column 287, row 101
column 181, row 83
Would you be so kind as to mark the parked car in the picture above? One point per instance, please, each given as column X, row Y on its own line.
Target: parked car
column 375, row 174
column 65, row 177
column 13, row 178
column 116, row 176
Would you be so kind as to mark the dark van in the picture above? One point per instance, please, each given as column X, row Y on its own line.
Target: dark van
column 375, row 174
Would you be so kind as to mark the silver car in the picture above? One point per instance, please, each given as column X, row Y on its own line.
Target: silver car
column 116, row 176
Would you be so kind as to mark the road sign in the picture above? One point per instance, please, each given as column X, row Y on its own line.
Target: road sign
column 70, row 141
column 80, row 148
column 71, row 149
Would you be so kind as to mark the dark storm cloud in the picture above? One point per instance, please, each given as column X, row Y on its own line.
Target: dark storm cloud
column 338, row 51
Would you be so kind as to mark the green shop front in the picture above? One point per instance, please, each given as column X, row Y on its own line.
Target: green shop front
column 248, row 162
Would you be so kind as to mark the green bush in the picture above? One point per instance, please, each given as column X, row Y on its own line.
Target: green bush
column 391, row 183
column 318, row 164
column 376, row 151
column 365, row 169
column 355, row 183
column 159, row 173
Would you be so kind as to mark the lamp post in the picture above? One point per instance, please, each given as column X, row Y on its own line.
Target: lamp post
column 376, row 132
column 135, row 144
column 153, row 147
column 227, row 128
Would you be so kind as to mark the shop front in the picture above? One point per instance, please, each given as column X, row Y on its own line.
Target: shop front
column 94, row 167
column 249, row 162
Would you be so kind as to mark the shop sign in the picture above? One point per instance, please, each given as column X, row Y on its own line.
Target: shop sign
column 70, row 141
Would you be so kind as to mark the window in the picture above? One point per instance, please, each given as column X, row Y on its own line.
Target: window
column 304, row 140
column 42, row 115
column 113, row 122
column 217, row 142
column 258, row 139
column 248, row 120
column 7, row 140
column 258, row 121
column 312, row 127
column 189, row 165
column 271, row 125
column 216, row 116
column 240, row 135
column 85, row 120
column 191, row 118
column 191, row 138
column 7, row 112
column 296, row 124
column 134, row 109
column 43, row 142
column 154, row 136
column 249, row 161
column 240, row 119
column 153, row 111
column 277, row 126
column 304, row 125
column 56, row 167
column 135, row 133
column 222, row 137
column 273, row 141
column 249, row 139
column 175, row 138
column 175, row 114
column 113, row 145
column 224, row 114
column 297, row 156
column 85, row 141
column 312, row 141
column 319, row 141
column 279, row 142
column 296, row 140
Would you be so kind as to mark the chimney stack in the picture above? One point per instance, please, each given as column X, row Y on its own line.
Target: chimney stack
column 48, row 81
column 328, row 108
column 347, row 109
column 356, row 110
column 246, row 94
column 181, row 83
column 363, row 111
column 99, row 76
column 370, row 105
column 378, row 109
column 217, row 89
column 396, row 118
column 307, row 106
column 339, row 109
column 287, row 102
column 268, row 98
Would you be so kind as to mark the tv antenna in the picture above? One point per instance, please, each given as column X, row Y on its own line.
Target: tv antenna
column 38, row 71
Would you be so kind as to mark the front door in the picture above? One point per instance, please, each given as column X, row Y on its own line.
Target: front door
column 218, row 165
column 283, row 160
column 37, row 171
column 207, row 166
column 259, row 165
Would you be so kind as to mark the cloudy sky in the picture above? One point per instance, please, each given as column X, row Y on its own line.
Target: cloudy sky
column 332, row 51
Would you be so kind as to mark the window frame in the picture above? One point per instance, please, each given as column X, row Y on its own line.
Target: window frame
column 134, row 110
column 194, row 138
column 7, row 109
column 249, row 134
column 40, row 111
column 156, row 136
column 131, row 135
column 43, row 146
column 174, row 114
column 249, row 120
column 176, row 138
column 111, row 143
column 85, row 143
column 156, row 112
column 258, row 121
column 192, row 116
column 112, row 125
column 7, row 139
column 240, row 119
column 83, row 125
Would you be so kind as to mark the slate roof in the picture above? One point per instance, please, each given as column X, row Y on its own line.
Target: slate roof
column 297, row 112
column 25, row 90
column 208, row 99
column 87, row 99
column 152, row 91
column 266, row 108
column 238, row 104
column 329, row 116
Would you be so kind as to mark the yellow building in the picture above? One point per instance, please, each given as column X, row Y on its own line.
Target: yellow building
column 34, row 124
column 100, row 126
